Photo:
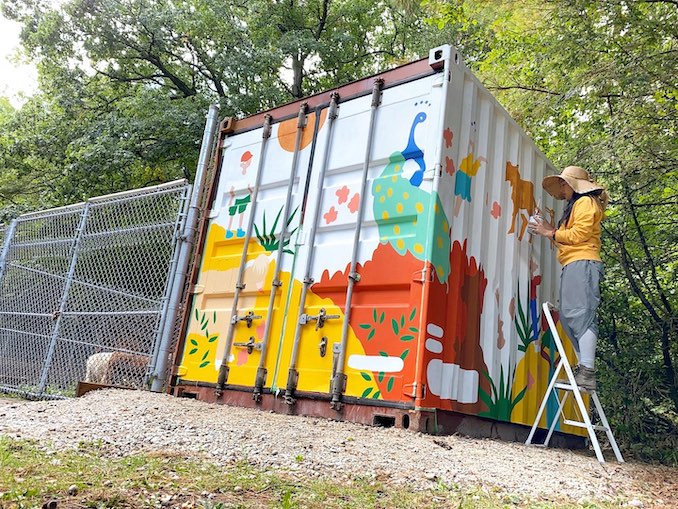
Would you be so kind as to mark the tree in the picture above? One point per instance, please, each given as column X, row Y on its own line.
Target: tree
column 125, row 83
column 593, row 82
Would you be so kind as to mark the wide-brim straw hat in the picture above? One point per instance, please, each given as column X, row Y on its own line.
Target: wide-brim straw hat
column 578, row 179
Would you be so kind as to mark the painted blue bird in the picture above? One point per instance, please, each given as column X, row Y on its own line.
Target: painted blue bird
column 412, row 151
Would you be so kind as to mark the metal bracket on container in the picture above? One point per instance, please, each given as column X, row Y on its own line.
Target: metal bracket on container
column 249, row 318
column 423, row 276
column 319, row 319
column 227, row 125
column 250, row 345
column 196, row 289
column 323, row 346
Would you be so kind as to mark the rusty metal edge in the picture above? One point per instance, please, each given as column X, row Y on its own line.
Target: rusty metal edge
column 85, row 387
column 393, row 77
column 424, row 420
column 208, row 188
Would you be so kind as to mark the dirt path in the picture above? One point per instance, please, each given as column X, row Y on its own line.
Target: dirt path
column 134, row 421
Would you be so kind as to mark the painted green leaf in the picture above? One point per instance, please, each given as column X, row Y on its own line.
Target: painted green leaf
column 192, row 351
column 389, row 385
column 383, row 354
column 207, row 333
column 215, row 316
column 374, row 314
column 402, row 321
column 365, row 376
column 365, row 326
column 206, row 363
column 407, row 337
column 381, row 375
column 204, row 326
column 197, row 315
column 404, row 354
column 413, row 329
column 371, row 334
column 213, row 338
column 207, row 352
column 381, row 318
column 394, row 324
column 413, row 314
column 376, row 395
column 486, row 399
column 366, row 392
column 194, row 342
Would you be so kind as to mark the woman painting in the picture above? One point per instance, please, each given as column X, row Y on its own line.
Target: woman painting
column 577, row 237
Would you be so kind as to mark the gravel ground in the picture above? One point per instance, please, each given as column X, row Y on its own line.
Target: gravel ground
column 134, row 421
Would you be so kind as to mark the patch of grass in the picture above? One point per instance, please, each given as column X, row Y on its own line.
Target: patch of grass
column 31, row 475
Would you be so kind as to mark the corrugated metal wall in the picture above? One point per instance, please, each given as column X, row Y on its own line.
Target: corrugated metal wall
column 445, row 312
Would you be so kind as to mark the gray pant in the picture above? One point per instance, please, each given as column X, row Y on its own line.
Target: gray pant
column 580, row 298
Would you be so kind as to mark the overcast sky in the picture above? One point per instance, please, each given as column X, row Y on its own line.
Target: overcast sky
column 15, row 78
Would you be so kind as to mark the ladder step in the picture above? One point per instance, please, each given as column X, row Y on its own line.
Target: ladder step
column 566, row 386
column 583, row 425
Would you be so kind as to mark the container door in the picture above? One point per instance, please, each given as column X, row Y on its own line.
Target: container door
column 383, row 334
column 238, row 308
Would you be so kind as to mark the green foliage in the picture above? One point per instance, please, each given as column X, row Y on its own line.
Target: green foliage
column 593, row 83
column 121, row 105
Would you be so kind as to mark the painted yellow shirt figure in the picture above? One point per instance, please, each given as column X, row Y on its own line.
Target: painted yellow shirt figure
column 579, row 237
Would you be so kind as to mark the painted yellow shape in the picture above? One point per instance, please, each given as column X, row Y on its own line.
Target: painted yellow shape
column 217, row 282
column 526, row 410
column 469, row 165
column 214, row 300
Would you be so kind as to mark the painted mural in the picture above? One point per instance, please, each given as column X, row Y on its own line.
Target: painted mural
column 432, row 298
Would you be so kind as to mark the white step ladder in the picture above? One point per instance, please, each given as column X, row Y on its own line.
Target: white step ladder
column 570, row 387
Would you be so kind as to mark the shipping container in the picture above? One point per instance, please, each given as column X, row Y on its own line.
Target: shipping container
column 365, row 257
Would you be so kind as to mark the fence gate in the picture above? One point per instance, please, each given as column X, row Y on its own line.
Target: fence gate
column 84, row 290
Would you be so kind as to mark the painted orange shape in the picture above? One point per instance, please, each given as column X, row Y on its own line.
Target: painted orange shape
column 331, row 215
column 287, row 131
column 496, row 210
column 447, row 136
column 449, row 166
column 354, row 203
column 342, row 194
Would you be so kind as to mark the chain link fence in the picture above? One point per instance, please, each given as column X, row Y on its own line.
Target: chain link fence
column 84, row 291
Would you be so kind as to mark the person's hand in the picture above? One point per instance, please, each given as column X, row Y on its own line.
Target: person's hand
column 541, row 227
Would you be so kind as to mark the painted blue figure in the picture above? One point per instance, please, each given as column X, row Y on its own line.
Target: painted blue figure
column 412, row 151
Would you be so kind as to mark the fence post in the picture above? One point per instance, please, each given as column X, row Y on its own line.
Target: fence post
column 64, row 299
column 5, row 247
column 163, row 316
column 186, row 243
column 3, row 263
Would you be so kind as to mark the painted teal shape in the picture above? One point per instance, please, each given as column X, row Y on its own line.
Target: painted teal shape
column 552, row 404
column 413, row 152
column 402, row 213
column 462, row 186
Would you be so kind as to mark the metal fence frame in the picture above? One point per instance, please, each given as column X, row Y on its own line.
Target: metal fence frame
column 62, row 284
column 79, row 237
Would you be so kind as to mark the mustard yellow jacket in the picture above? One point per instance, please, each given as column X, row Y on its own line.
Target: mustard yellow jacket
column 579, row 238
